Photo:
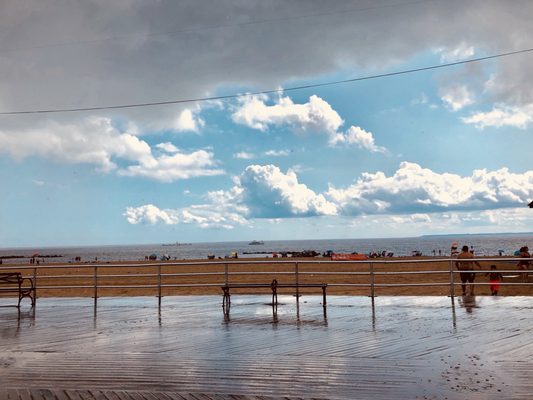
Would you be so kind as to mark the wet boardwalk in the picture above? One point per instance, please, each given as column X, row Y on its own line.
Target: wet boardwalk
column 47, row 394
column 402, row 348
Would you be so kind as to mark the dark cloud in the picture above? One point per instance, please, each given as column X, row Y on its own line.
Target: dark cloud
column 96, row 52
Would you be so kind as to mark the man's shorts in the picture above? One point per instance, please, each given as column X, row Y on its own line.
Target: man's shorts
column 467, row 277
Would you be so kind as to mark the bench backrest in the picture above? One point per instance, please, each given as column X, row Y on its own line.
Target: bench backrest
column 10, row 278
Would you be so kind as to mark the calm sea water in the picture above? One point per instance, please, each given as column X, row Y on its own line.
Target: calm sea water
column 483, row 245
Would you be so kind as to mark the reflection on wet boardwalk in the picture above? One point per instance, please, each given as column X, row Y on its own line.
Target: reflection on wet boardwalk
column 402, row 348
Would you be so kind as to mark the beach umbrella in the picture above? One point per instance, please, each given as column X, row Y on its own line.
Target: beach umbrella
column 530, row 205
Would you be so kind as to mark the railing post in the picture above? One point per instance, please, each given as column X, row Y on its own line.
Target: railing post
column 296, row 280
column 159, row 285
column 95, row 284
column 35, row 283
column 452, row 283
column 372, row 281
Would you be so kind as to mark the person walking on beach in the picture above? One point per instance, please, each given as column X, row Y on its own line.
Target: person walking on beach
column 466, row 266
column 494, row 278
column 453, row 249
column 524, row 265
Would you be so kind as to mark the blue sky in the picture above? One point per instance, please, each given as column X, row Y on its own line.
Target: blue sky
column 441, row 151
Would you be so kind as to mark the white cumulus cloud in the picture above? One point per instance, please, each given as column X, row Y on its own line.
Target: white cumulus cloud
column 167, row 147
column 277, row 153
column 98, row 142
column 457, row 53
column 501, row 115
column 244, row 155
column 169, row 168
column 456, row 97
column 359, row 137
column 413, row 189
column 221, row 211
column 270, row 193
column 150, row 214
column 189, row 120
column 413, row 218
column 315, row 116
column 94, row 141
column 412, row 195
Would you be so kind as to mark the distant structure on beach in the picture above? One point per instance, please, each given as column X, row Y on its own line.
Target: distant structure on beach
column 256, row 242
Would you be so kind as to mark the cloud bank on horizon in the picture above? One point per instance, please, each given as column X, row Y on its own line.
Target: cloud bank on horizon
column 442, row 151
column 267, row 192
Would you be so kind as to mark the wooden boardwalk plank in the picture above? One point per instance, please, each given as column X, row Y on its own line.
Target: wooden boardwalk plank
column 73, row 395
column 25, row 394
column 110, row 395
column 47, row 394
column 98, row 395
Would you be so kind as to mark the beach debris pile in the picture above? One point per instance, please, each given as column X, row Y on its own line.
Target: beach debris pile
column 232, row 255
column 378, row 254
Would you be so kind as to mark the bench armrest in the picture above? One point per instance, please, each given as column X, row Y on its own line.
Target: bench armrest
column 32, row 285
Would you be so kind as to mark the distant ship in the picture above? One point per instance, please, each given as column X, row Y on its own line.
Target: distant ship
column 176, row 244
column 255, row 242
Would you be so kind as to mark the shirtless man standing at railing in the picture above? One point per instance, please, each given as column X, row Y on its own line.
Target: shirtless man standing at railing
column 467, row 266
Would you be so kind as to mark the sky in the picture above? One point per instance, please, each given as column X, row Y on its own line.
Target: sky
column 439, row 151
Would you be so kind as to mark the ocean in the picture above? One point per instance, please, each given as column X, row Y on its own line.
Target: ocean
column 483, row 245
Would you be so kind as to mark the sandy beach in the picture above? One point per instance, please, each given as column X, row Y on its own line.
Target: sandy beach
column 315, row 270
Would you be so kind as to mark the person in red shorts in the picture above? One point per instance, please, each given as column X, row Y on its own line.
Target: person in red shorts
column 494, row 278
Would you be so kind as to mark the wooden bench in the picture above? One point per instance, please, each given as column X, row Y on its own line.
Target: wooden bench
column 13, row 282
column 274, row 286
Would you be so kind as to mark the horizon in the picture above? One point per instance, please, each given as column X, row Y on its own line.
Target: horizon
column 388, row 126
column 459, row 235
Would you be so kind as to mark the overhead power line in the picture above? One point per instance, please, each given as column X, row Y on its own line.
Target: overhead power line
column 272, row 91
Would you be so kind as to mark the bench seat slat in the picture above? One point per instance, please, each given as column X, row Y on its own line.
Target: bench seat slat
column 247, row 285
column 234, row 285
column 302, row 285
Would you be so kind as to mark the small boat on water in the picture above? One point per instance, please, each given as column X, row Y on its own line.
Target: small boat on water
column 256, row 242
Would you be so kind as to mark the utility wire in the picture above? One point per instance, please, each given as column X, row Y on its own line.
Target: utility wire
column 280, row 90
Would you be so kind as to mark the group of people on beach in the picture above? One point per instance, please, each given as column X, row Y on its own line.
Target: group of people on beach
column 465, row 264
